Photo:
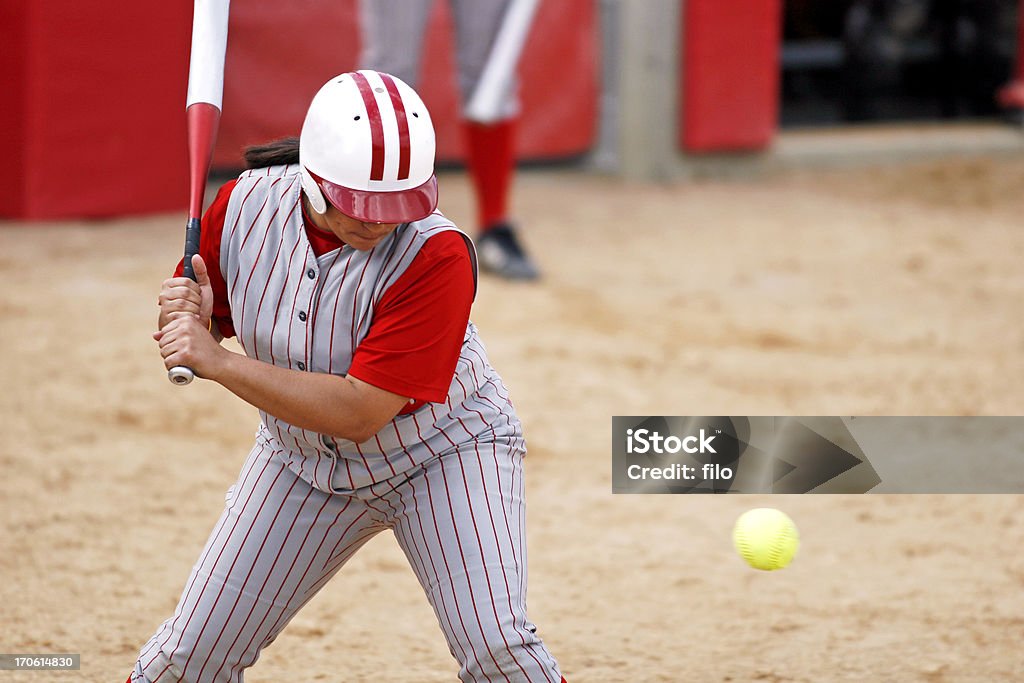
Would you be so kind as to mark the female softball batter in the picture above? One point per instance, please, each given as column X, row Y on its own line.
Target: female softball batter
column 350, row 295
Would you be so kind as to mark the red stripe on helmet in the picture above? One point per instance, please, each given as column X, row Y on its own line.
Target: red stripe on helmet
column 403, row 126
column 376, row 127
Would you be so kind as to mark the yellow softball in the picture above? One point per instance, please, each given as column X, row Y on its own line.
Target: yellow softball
column 766, row 538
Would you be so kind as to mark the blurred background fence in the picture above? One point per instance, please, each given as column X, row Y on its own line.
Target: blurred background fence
column 94, row 93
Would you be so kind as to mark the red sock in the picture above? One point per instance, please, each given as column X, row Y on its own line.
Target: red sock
column 491, row 159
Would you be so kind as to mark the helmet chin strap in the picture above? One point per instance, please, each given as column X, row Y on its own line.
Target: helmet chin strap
column 314, row 196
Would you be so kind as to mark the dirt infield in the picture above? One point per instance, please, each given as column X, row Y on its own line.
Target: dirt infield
column 894, row 291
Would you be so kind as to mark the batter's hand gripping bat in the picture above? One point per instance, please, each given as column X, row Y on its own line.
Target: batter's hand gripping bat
column 202, row 116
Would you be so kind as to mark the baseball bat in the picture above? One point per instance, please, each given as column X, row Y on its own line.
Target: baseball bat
column 202, row 118
column 488, row 96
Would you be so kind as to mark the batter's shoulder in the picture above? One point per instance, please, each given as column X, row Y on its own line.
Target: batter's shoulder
column 255, row 176
column 446, row 248
column 273, row 183
column 434, row 223
column 436, row 229
column 442, row 238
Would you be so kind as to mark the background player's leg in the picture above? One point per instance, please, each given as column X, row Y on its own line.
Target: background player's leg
column 461, row 524
column 477, row 23
column 392, row 33
column 275, row 545
column 490, row 147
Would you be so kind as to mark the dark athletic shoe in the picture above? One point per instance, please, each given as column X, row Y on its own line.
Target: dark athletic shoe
column 500, row 254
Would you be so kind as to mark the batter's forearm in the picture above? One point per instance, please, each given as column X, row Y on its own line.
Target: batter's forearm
column 320, row 402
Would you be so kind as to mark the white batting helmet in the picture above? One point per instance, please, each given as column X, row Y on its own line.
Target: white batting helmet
column 367, row 147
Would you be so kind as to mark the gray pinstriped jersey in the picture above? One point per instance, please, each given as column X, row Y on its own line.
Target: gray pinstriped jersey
column 299, row 311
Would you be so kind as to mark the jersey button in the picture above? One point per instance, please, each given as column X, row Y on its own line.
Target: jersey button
column 301, row 365
column 311, row 273
column 302, row 316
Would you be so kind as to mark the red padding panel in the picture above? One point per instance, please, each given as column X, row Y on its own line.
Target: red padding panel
column 96, row 110
column 14, row 106
column 279, row 54
column 730, row 74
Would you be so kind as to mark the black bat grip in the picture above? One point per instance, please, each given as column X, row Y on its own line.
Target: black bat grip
column 180, row 374
column 192, row 232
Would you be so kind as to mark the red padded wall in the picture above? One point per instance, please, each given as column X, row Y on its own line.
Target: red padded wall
column 730, row 74
column 94, row 93
column 93, row 107
column 13, row 106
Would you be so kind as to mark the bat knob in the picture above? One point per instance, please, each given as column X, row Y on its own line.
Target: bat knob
column 180, row 375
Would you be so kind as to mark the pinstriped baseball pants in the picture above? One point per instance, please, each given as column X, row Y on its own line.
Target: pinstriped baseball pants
column 393, row 32
column 459, row 519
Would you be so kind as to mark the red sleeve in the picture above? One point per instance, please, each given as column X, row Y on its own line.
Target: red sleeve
column 419, row 325
column 209, row 249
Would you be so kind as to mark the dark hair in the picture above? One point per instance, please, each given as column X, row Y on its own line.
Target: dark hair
column 277, row 152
